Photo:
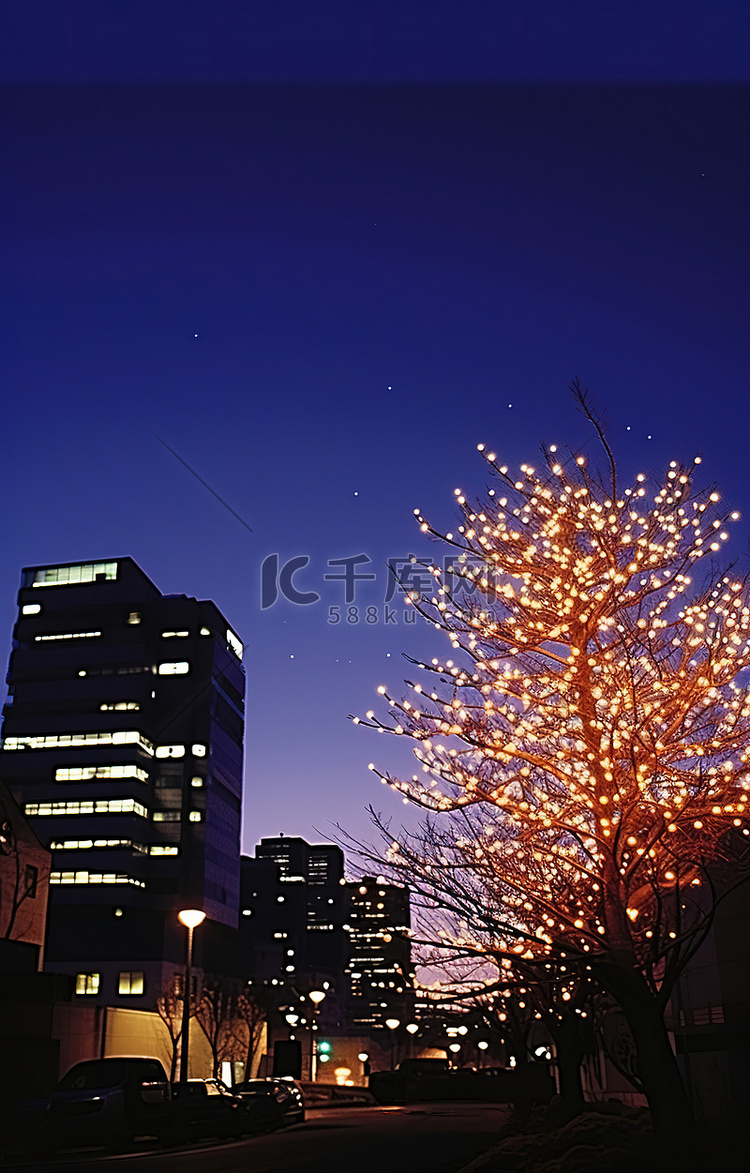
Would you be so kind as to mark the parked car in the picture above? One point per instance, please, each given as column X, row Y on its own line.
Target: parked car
column 284, row 1094
column 413, row 1079
column 102, row 1102
column 261, row 1110
column 205, row 1107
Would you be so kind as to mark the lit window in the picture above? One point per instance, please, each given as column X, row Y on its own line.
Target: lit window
column 175, row 634
column 118, row 705
column 112, row 806
column 205, row 631
column 87, row 983
column 68, row 635
column 174, row 668
column 31, row 608
column 131, row 982
column 70, row 575
column 170, row 751
column 162, row 849
column 247, row 912
column 234, row 644
column 195, row 816
column 82, row 877
column 281, row 936
column 86, row 844
column 134, row 617
column 196, row 782
column 166, row 816
column 86, row 773
column 199, row 751
column 280, row 899
column 64, row 740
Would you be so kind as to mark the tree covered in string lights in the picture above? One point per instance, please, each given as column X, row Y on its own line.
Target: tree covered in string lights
column 594, row 716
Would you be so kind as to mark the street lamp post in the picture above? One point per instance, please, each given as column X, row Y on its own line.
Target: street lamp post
column 316, row 997
column 393, row 1024
column 412, row 1028
column 190, row 918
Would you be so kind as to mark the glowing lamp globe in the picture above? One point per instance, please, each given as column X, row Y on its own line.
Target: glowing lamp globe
column 191, row 917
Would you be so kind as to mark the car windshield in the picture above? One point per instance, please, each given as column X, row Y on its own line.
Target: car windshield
column 91, row 1075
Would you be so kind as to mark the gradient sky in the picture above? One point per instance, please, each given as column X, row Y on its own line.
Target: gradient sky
column 325, row 250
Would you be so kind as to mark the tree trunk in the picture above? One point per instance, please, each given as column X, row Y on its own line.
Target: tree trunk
column 657, row 1066
column 571, row 1049
column 523, row 1097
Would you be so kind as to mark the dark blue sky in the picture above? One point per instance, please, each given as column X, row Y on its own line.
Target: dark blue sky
column 321, row 255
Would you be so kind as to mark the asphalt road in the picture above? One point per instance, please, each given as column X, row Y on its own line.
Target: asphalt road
column 417, row 1138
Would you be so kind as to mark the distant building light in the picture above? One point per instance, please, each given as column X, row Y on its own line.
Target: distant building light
column 67, row 635
column 170, row 751
column 72, row 575
column 234, row 644
column 174, row 668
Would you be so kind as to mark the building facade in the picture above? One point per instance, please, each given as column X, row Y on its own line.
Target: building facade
column 122, row 744
column 293, row 909
column 380, row 973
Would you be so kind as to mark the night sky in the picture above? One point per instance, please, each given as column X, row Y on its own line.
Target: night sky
column 322, row 252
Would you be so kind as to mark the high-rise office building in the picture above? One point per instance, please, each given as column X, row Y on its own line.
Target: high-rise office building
column 380, row 973
column 122, row 743
column 293, row 909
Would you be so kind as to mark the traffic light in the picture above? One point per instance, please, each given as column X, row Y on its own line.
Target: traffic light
column 324, row 1050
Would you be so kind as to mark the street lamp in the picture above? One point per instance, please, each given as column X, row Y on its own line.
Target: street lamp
column 316, row 997
column 190, row 918
column 412, row 1028
column 392, row 1024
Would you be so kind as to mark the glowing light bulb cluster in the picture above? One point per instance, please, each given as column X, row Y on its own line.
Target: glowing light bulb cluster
column 592, row 724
